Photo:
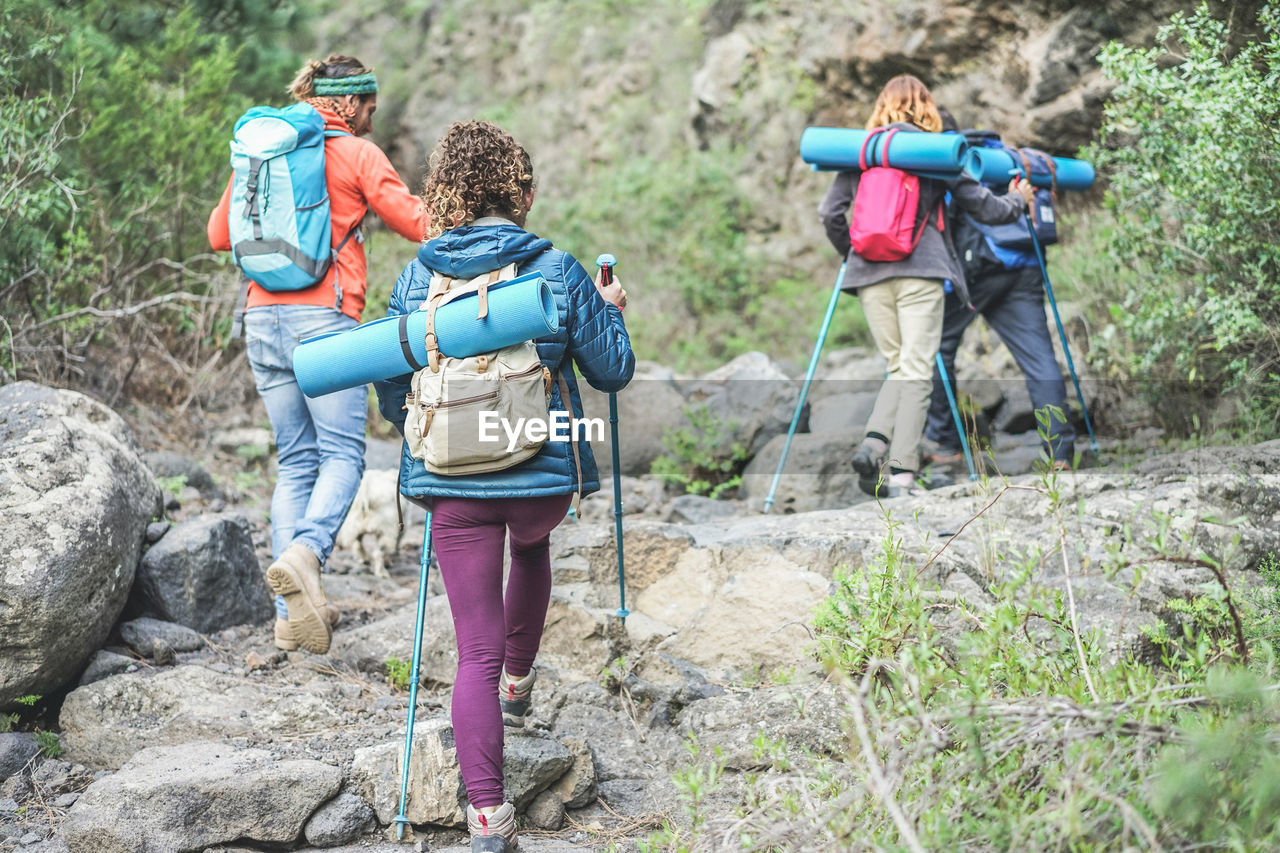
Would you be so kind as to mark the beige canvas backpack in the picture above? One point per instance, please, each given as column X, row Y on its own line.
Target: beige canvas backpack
column 457, row 406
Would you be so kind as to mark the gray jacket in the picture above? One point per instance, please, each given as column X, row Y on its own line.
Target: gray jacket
column 934, row 256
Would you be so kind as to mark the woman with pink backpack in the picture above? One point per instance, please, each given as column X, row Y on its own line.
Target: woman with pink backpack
column 898, row 258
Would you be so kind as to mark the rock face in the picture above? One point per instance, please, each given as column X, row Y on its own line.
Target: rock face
column 76, row 499
column 733, row 596
column 745, row 78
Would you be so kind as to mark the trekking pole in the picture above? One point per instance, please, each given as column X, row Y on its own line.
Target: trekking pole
column 606, row 263
column 804, row 389
column 1066, row 350
column 955, row 415
column 401, row 820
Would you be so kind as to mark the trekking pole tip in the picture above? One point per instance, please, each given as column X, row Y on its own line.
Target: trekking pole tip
column 401, row 822
column 622, row 613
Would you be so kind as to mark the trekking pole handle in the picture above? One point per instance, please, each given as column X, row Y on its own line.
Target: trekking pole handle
column 606, row 262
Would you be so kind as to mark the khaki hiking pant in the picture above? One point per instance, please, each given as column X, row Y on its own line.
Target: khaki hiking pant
column 905, row 317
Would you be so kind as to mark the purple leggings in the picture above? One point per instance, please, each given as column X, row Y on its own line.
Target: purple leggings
column 468, row 535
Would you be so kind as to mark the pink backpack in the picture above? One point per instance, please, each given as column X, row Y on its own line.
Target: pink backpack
column 883, row 226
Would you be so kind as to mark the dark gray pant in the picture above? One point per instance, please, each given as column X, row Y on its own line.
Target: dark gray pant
column 1012, row 301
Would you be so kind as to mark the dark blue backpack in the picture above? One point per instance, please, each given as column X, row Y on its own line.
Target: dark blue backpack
column 988, row 248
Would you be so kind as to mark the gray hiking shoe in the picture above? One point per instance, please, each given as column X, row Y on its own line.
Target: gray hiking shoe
column 495, row 833
column 869, row 458
column 515, row 697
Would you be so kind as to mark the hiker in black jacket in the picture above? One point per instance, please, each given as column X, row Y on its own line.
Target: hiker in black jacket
column 1005, row 286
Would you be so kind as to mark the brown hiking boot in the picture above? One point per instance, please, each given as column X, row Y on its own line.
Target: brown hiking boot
column 296, row 577
column 284, row 634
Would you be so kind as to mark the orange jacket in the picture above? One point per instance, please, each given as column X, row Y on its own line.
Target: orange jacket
column 360, row 178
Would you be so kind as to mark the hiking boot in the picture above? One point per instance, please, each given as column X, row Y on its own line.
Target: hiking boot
column 515, row 697
column 296, row 577
column 284, row 634
column 495, row 833
column 869, row 458
column 875, row 485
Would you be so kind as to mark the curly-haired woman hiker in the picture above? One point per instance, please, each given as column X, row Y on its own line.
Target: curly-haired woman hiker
column 478, row 193
column 903, row 299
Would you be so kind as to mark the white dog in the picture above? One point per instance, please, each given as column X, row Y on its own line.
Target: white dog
column 371, row 531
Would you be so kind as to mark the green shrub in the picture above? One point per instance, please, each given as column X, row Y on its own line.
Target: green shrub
column 115, row 119
column 10, row 721
column 701, row 457
column 1002, row 724
column 399, row 672
column 1191, row 146
column 50, row 746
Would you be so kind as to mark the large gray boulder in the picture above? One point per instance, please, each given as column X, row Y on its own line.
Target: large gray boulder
column 204, row 574
column 174, row 799
column 818, row 473
column 751, row 399
column 76, row 499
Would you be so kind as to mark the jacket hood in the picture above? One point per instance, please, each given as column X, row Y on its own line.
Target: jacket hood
column 484, row 245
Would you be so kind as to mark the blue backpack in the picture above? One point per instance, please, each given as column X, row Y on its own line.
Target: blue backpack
column 985, row 248
column 279, row 216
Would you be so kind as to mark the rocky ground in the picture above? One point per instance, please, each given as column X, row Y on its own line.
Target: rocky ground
column 179, row 735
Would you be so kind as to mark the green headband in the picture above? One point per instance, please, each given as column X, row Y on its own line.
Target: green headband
column 357, row 84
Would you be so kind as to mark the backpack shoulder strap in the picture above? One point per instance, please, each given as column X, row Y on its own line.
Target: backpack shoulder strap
column 866, row 143
column 442, row 291
column 436, row 293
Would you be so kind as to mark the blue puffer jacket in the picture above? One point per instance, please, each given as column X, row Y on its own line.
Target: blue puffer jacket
column 591, row 334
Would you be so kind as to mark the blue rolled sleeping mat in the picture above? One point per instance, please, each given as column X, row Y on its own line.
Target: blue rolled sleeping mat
column 996, row 166
column 521, row 309
column 930, row 155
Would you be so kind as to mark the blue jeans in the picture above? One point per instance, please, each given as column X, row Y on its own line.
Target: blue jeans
column 1012, row 301
column 319, row 442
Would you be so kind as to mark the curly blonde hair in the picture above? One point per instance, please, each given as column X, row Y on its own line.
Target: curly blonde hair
column 476, row 169
column 905, row 98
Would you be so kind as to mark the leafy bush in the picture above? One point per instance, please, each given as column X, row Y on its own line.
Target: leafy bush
column 50, row 745
column 701, row 457
column 399, row 672
column 1191, row 146
column 115, row 118
column 1001, row 724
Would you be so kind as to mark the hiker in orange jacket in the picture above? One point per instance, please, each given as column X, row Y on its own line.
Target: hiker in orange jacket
column 320, row 442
